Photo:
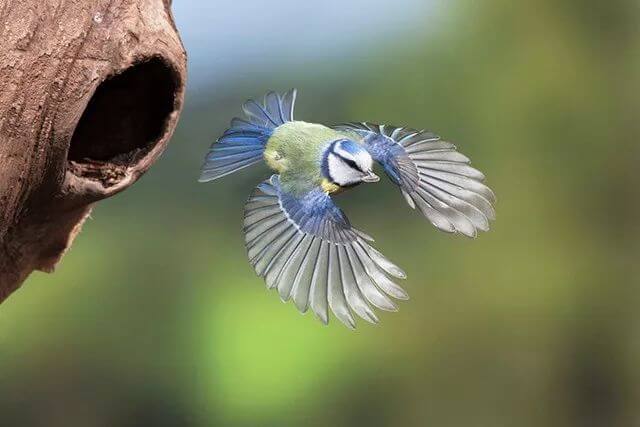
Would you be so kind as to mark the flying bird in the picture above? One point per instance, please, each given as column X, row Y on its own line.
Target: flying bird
column 296, row 237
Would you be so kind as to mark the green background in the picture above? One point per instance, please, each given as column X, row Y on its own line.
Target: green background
column 155, row 318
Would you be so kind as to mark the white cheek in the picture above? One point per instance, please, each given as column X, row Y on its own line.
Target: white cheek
column 364, row 160
column 341, row 173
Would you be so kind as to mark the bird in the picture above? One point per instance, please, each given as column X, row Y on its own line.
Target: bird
column 300, row 241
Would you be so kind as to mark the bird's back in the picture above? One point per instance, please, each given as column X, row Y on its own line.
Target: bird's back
column 295, row 149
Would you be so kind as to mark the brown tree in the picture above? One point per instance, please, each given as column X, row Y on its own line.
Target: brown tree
column 90, row 93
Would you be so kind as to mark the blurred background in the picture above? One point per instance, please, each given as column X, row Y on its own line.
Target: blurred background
column 155, row 317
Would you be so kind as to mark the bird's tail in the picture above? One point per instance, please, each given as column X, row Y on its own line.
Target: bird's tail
column 243, row 144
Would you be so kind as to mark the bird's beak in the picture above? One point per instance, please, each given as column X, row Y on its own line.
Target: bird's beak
column 371, row 177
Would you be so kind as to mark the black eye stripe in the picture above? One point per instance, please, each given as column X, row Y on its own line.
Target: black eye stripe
column 351, row 163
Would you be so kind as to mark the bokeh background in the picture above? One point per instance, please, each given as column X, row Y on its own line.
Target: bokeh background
column 155, row 318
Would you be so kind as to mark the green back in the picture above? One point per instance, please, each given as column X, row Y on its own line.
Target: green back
column 295, row 152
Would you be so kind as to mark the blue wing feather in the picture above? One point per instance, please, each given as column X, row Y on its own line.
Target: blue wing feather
column 243, row 144
column 305, row 246
column 432, row 175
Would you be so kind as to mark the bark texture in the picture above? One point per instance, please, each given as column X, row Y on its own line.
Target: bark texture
column 90, row 93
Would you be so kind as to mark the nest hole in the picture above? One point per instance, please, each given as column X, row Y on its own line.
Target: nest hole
column 126, row 116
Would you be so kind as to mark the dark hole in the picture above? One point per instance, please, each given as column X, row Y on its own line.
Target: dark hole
column 126, row 115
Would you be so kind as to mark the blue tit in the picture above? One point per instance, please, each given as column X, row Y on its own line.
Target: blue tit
column 299, row 241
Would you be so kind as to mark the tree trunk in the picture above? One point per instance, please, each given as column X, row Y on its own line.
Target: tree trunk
column 90, row 93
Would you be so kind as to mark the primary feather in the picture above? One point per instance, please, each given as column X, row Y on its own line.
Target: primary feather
column 432, row 176
column 305, row 247
column 299, row 241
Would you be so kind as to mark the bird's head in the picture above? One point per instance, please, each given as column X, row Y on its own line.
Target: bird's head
column 346, row 163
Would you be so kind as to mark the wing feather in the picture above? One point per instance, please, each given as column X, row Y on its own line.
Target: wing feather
column 289, row 274
column 351, row 291
column 305, row 247
column 318, row 298
column 366, row 286
column 337, row 300
column 280, row 262
column 305, row 274
column 432, row 175
column 381, row 280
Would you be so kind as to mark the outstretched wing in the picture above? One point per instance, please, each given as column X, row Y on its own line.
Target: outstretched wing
column 306, row 249
column 243, row 144
column 432, row 175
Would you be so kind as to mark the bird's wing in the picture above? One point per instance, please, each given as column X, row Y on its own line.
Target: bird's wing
column 305, row 247
column 432, row 175
column 243, row 144
column 275, row 109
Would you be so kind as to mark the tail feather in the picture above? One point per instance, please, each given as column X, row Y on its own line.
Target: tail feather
column 243, row 144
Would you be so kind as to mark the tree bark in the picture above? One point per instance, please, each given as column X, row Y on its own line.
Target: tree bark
column 90, row 93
